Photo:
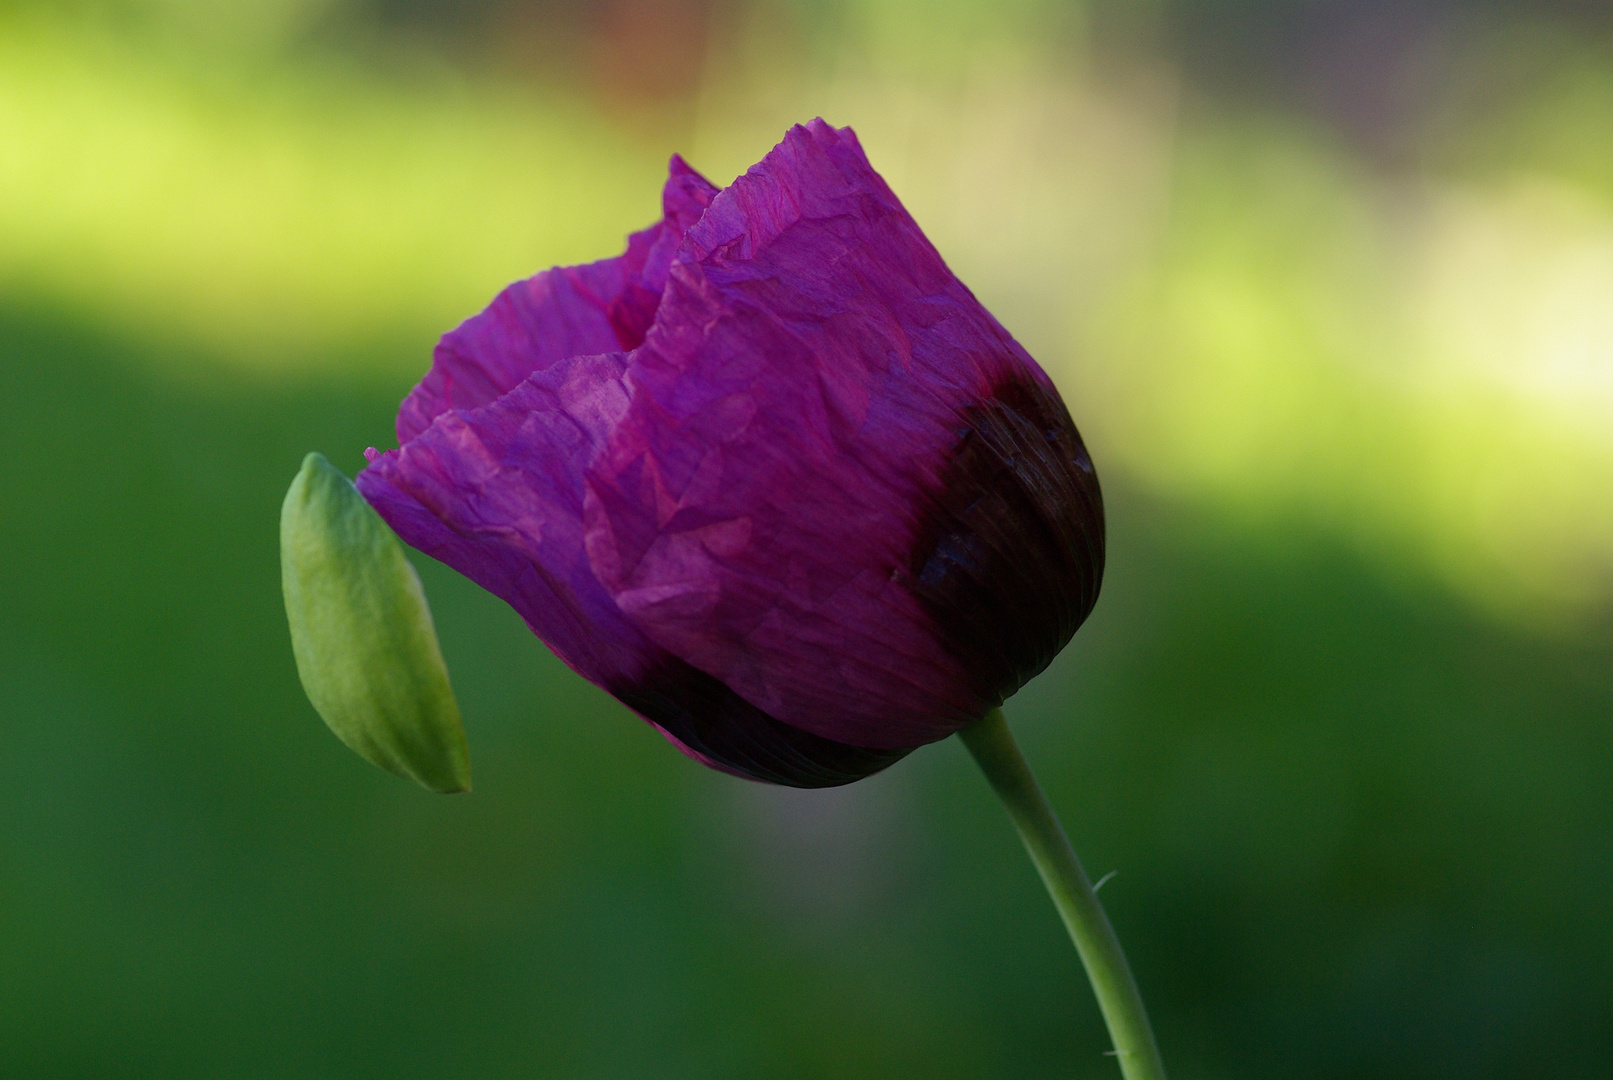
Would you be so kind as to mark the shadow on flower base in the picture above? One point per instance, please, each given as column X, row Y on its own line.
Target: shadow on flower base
column 773, row 478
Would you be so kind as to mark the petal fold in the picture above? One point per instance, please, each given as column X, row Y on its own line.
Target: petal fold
column 567, row 311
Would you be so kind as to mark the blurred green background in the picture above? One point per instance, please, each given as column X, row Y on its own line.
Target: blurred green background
column 1328, row 287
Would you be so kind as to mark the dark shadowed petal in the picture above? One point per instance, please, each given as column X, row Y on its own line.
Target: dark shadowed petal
column 711, row 723
column 497, row 493
column 567, row 311
column 1009, row 557
column 840, row 488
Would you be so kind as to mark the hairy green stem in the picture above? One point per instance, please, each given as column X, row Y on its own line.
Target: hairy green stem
column 994, row 748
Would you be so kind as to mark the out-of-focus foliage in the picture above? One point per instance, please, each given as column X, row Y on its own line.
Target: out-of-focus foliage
column 268, row 211
column 1329, row 287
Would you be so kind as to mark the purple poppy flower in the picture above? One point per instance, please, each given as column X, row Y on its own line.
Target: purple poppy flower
column 773, row 477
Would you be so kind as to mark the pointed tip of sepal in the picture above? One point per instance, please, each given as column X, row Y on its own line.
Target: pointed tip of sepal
column 361, row 630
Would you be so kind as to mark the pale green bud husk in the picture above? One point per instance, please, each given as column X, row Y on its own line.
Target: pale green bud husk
column 362, row 634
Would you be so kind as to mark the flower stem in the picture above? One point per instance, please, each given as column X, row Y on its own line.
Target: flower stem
column 995, row 750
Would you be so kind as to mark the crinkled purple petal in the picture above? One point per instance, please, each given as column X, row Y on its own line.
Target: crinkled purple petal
column 772, row 477
column 812, row 373
column 497, row 493
column 568, row 311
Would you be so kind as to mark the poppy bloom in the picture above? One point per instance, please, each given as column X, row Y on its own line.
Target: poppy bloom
column 773, row 477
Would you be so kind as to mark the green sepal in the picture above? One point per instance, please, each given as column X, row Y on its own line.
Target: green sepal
column 366, row 648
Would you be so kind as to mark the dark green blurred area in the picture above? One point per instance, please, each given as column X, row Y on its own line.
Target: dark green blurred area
column 1362, row 828
column 1359, row 833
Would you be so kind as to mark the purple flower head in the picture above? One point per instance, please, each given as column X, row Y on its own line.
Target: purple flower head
column 772, row 477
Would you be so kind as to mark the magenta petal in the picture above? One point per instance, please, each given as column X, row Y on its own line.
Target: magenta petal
column 497, row 493
column 772, row 477
column 567, row 311
column 769, row 501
